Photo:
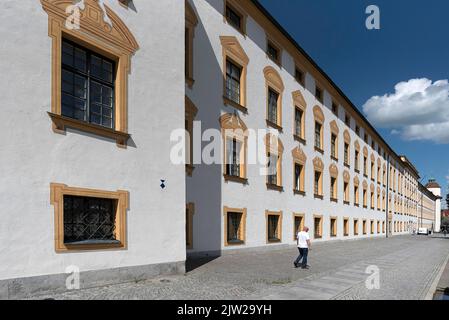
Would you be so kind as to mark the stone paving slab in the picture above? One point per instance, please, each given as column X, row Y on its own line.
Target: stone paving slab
column 408, row 265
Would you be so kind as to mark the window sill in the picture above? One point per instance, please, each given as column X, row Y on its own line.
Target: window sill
column 189, row 170
column 346, row 203
column 347, row 165
column 317, row 196
column 299, row 139
column 346, row 235
column 274, row 240
column 299, row 193
column 356, row 205
column 356, row 170
column 334, row 158
column 317, row 237
column 319, row 150
column 235, row 179
column 365, row 175
column 235, row 243
column 334, row 200
column 365, row 207
column 274, row 125
column 275, row 187
column 234, row 104
column 61, row 123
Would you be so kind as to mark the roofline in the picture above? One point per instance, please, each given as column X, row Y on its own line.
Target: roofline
column 268, row 15
column 428, row 193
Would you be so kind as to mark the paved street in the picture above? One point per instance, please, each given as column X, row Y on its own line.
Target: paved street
column 408, row 266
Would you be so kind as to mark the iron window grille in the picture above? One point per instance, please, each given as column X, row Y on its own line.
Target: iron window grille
column 234, row 223
column 233, row 163
column 273, row 106
column 298, row 171
column 333, row 146
column 87, row 85
column 317, row 183
column 272, row 169
column 233, row 75
column 298, row 122
column 317, row 135
column 89, row 220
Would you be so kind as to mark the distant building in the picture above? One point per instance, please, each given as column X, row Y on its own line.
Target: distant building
column 444, row 213
column 435, row 188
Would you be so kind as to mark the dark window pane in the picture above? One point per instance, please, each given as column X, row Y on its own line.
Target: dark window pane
column 233, row 18
column 234, row 221
column 273, row 106
column 233, row 74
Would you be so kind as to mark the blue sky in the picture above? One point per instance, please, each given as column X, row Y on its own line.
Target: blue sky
column 411, row 44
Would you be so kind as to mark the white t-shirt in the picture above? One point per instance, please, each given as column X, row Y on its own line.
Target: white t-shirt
column 302, row 239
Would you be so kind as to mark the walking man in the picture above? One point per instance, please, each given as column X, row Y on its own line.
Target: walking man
column 303, row 247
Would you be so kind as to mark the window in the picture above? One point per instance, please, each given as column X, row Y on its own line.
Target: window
column 333, row 190
column 333, row 227
column 356, row 195
column 89, row 219
column 234, row 226
column 273, row 98
column 298, row 224
column 235, row 62
column 357, row 130
column 299, row 121
column 372, row 199
column 365, row 166
column 317, row 183
column 235, row 136
column 87, row 85
column 317, row 227
column 234, row 18
column 299, row 177
column 364, row 226
column 347, row 120
column 378, row 227
column 334, row 108
column 190, row 210
column 372, row 227
column 274, row 150
column 356, row 227
column 346, row 227
column 274, row 226
column 346, row 156
column 365, row 198
column 334, row 146
column 191, row 21
column 346, row 192
column 383, row 226
column 233, row 75
column 365, row 138
column 357, row 160
column 299, row 76
column 318, row 131
column 319, row 94
column 318, row 177
column 273, row 52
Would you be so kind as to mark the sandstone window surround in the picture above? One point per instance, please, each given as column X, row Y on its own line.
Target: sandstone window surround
column 319, row 127
column 58, row 196
column 233, row 52
column 235, row 16
column 318, row 167
column 347, row 149
column 356, row 191
column 334, row 140
column 299, row 108
column 114, row 41
column 317, row 226
column 333, row 174
column 298, row 224
column 357, row 157
column 346, row 183
column 234, row 130
column 273, row 85
column 234, row 226
column 273, row 221
column 191, row 21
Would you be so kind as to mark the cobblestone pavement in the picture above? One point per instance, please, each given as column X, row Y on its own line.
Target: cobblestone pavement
column 407, row 267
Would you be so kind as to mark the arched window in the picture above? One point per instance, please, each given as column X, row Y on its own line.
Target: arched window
column 318, row 167
column 274, row 89
column 365, row 162
column 109, row 48
column 357, row 156
column 356, row 191
column 235, row 64
column 235, row 145
column 333, row 175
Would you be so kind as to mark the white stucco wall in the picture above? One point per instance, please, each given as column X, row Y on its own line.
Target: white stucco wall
column 437, row 192
column 32, row 156
column 207, row 188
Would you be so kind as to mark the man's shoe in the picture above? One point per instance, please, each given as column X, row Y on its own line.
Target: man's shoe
column 296, row 265
column 305, row 267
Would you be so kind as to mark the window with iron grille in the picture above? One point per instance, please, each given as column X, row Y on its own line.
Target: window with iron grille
column 346, row 153
column 317, row 135
column 317, row 228
column 89, row 220
column 333, row 188
column 233, row 76
column 87, row 85
column 317, row 183
column 234, row 18
column 273, row 97
column 234, row 228
column 356, row 160
column 273, row 228
column 233, row 149
column 298, row 122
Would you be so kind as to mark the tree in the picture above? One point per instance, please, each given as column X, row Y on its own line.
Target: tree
column 445, row 223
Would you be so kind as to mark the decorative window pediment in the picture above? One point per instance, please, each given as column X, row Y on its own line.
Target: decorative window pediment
column 356, row 181
column 334, row 127
column 318, row 164
column 347, row 137
column 299, row 155
column 298, row 99
column 318, row 114
column 346, row 176
column 273, row 79
column 333, row 171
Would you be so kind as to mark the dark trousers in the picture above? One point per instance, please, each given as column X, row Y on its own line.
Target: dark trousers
column 303, row 253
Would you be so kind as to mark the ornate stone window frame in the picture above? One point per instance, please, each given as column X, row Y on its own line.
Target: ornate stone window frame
column 333, row 228
column 356, row 226
column 347, row 141
column 333, row 173
column 357, row 159
column 334, row 131
column 301, row 216
column 274, row 82
column 233, row 51
column 115, row 42
column 191, row 21
column 356, row 191
column 57, row 193
column 319, row 234
column 234, row 5
column 242, row 227
column 232, row 127
column 318, row 116
column 274, row 145
column 347, row 180
column 299, row 103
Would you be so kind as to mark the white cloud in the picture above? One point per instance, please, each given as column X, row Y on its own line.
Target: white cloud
column 417, row 110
